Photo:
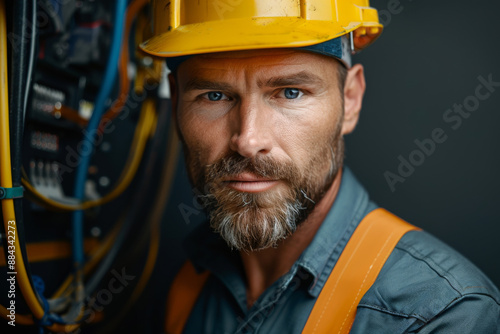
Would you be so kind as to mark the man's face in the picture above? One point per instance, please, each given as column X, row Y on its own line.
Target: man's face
column 262, row 138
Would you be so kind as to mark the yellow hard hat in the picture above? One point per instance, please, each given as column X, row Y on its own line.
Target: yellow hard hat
column 189, row 27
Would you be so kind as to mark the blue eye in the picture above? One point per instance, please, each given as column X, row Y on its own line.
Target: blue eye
column 215, row 96
column 292, row 93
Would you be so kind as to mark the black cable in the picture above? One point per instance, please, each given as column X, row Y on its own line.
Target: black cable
column 21, row 73
column 133, row 215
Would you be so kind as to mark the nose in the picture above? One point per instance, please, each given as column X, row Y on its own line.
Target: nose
column 251, row 128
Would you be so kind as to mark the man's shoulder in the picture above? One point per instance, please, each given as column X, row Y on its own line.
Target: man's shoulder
column 424, row 277
column 428, row 255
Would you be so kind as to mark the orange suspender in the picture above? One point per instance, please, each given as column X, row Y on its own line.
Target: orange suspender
column 354, row 273
column 357, row 268
column 184, row 291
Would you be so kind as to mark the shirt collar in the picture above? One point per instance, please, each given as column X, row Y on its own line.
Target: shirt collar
column 351, row 205
column 208, row 251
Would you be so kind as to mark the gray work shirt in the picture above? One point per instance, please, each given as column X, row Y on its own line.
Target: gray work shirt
column 424, row 287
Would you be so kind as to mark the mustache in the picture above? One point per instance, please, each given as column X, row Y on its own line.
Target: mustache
column 263, row 166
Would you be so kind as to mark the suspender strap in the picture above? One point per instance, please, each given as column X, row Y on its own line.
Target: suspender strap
column 357, row 268
column 355, row 271
column 183, row 294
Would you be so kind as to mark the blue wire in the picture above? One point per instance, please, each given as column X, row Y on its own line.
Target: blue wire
column 92, row 127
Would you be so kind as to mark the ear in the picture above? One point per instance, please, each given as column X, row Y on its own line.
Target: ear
column 354, row 89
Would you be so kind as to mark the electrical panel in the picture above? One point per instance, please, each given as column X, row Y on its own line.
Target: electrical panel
column 65, row 50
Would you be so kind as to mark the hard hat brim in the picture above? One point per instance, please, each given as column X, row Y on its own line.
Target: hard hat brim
column 246, row 34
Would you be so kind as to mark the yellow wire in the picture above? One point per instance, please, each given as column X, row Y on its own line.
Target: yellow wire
column 166, row 179
column 5, row 170
column 143, row 130
column 159, row 206
column 6, row 181
column 21, row 319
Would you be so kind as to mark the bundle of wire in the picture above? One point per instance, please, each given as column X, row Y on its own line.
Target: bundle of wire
column 72, row 291
column 8, row 210
column 135, row 151
column 81, row 172
column 38, row 308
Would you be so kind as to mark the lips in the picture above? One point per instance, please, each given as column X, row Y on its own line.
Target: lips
column 248, row 182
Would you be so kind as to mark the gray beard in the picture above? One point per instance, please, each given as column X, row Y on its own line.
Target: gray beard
column 253, row 228
column 250, row 222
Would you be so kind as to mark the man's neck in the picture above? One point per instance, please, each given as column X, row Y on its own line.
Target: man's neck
column 264, row 267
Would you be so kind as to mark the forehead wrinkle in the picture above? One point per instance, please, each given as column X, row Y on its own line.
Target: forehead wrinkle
column 204, row 84
column 209, row 76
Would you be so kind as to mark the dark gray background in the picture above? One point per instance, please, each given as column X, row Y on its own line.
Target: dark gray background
column 429, row 58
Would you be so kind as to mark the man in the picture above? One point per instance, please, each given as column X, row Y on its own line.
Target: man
column 263, row 93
